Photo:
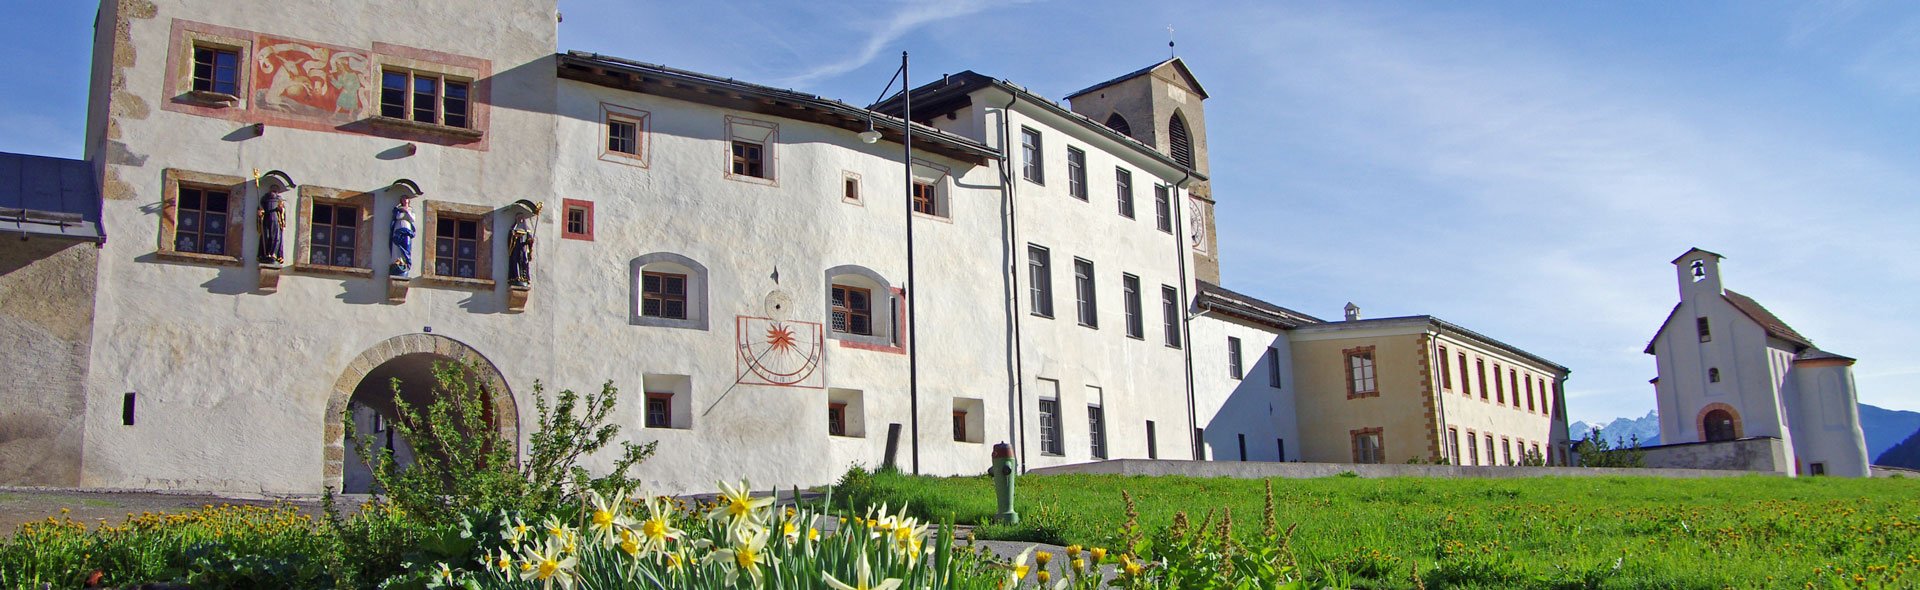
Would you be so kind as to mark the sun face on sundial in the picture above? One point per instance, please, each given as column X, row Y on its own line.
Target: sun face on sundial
column 780, row 352
column 780, row 339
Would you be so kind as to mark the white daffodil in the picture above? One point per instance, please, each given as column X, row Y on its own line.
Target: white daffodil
column 865, row 574
column 739, row 506
column 1017, row 570
column 546, row 565
column 657, row 530
column 748, row 553
column 604, row 518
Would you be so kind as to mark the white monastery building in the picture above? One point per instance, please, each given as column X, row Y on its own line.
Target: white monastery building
column 1730, row 370
column 284, row 207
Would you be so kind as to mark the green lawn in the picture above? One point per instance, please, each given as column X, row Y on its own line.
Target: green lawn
column 1743, row 532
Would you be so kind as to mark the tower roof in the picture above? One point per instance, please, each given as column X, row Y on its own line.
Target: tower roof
column 1690, row 251
column 1178, row 66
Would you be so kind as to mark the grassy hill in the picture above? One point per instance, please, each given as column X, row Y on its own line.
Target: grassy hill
column 1615, row 532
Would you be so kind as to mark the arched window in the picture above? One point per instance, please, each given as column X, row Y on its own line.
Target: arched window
column 859, row 306
column 1719, row 426
column 1179, row 142
column 1119, row 123
column 669, row 291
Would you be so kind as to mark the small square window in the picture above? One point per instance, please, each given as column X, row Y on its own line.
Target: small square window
column 456, row 248
column 623, row 136
column 925, row 198
column 746, row 159
column 852, row 310
column 200, row 221
column 216, row 70
column 334, row 232
column 837, row 419
column 459, row 243
column 577, row 222
column 663, row 295
column 659, row 409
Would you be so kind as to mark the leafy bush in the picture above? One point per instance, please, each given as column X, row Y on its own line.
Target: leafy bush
column 464, row 467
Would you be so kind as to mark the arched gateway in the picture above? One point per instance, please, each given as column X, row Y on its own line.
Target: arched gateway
column 408, row 358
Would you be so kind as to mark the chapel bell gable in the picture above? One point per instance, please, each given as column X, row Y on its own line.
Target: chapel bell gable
column 1698, row 272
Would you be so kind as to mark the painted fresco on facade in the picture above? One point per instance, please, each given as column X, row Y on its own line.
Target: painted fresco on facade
column 304, row 79
column 780, row 352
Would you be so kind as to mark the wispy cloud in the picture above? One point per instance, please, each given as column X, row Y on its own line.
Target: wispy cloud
column 885, row 32
column 1542, row 191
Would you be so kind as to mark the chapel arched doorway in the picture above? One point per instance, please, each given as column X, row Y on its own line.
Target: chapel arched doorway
column 1719, row 424
column 366, row 389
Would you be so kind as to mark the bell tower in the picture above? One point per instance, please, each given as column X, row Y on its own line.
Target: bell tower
column 1161, row 106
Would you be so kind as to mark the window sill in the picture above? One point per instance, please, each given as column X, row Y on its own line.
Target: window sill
column 1089, row 326
column 327, row 269
column 446, row 131
column 1040, row 315
column 660, row 322
column 1046, row 454
column 1141, row 338
column 457, row 282
column 197, row 258
column 209, row 98
column 847, row 436
column 975, row 442
column 1363, row 394
column 760, row 180
column 666, row 428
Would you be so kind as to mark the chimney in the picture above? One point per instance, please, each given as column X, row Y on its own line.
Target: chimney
column 1353, row 311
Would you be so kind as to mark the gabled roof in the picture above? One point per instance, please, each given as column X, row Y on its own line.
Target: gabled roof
column 1774, row 326
column 1691, row 251
column 955, row 91
column 1220, row 300
column 1815, row 354
column 49, row 197
column 1178, row 66
column 659, row 80
column 1437, row 325
column 1766, row 319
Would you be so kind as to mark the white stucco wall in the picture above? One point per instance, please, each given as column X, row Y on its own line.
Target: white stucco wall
column 1141, row 379
column 235, row 383
column 1251, row 406
column 742, row 233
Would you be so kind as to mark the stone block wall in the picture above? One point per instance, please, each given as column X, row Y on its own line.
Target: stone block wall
column 46, row 331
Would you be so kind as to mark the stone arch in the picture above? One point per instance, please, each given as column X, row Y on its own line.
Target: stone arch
column 1716, row 416
column 1179, row 140
column 334, row 451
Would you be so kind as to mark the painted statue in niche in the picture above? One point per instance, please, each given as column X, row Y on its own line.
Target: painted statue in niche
column 401, row 241
column 302, row 79
column 273, row 216
column 520, row 256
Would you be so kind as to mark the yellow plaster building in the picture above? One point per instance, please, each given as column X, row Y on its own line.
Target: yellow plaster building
column 1420, row 389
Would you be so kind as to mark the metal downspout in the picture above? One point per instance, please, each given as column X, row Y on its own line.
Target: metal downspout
column 1186, row 320
column 1016, row 391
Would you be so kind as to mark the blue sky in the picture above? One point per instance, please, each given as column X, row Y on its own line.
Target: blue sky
column 1525, row 169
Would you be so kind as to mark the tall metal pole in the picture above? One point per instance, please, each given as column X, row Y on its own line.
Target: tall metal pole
column 913, row 334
